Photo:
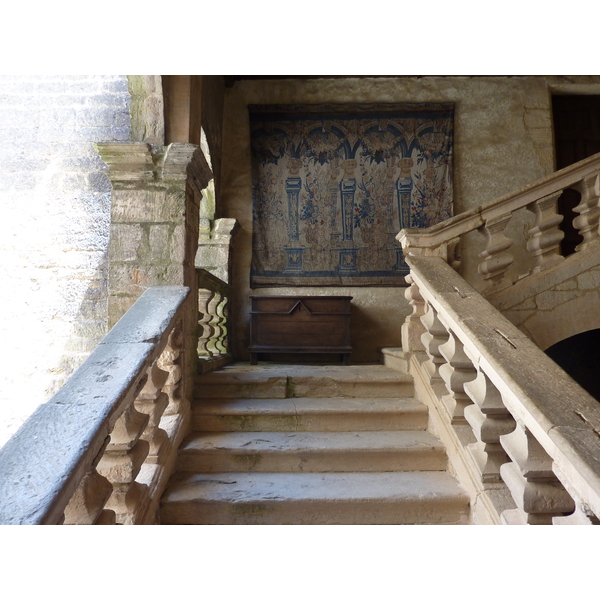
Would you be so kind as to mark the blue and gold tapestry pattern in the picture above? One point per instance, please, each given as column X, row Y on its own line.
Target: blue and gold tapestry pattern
column 334, row 184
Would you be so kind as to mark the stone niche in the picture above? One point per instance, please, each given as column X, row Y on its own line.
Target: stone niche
column 503, row 141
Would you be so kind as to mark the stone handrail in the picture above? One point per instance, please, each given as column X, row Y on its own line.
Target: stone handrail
column 524, row 442
column 213, row 338
column 491, row 219
column 100, row 451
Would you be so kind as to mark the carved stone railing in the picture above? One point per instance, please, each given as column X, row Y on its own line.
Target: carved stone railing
column 539, row 245
column 213, row 333
column 101, row 450
column 522, row 437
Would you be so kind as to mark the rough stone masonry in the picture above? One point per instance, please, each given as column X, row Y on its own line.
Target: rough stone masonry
column 54, row 229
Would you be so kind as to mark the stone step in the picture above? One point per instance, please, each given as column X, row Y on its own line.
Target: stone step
column 396, row 359
column 402, row 498
column 309, row 414
column 312, row 451
column 297, row 381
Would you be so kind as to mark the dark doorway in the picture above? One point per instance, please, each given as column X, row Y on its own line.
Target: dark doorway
column 576, row 136
column 579, row 356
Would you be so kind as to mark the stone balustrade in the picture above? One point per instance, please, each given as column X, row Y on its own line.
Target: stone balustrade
column 213, row 342
column 539, row 244
column 100, row 451
column 524, row 442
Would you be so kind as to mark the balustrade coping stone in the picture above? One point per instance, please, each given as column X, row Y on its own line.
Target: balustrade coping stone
column 149, row 317
column 44, row 462
column 206, row 278
column 431, row 237
column 560, row 414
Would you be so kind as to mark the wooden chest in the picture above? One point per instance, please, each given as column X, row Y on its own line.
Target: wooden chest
column 300, row 324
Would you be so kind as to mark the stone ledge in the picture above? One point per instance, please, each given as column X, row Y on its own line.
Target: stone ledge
column 395, row 358
column 44, row 462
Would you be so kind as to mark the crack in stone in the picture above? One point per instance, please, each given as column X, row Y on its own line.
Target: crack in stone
column 295, row 415
column 503, row 335
column 582, row 417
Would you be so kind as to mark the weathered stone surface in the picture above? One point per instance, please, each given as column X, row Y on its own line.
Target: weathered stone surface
column 590, row 280
column 285, row 381
column 558, row 322
column 315, row 498
column 148, row 319
column 55, row 228
column 144, row 206
column 44, row 462
column 41, row 461
column 125, row 240
column 309, row 414
column 560, row 419
column 306, row 459
column 395, row 358
column 147, row 108
column 154, row 219
column 354, row 451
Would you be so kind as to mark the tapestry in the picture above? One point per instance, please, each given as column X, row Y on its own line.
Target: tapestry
column 332, row 185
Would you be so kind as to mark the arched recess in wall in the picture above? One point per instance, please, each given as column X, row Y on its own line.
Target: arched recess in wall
column 579, row 356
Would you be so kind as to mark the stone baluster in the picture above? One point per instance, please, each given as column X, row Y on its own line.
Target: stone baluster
column 537, row 492
column 87, row 505
column 583, row 515
column 221, row 326
column 121, row 463
column 170, row 361
column 435, row 335
column 152, row 401
column 546, row 235
column 215, row 322
column 489, row 419
column 456, row 371
column 496, row 259
column 452, row 253
column 205, row 334
column 412, row 328
column 588, row 211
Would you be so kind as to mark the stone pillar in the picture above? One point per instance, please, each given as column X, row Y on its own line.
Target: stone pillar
column 214, row 248
column 154, row 228
column 154, row 218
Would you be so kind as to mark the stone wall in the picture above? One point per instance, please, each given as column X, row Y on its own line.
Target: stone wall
column 503, row 141
column 557, row 303
column 150, row 215
column 147, row 107
column 54, row 229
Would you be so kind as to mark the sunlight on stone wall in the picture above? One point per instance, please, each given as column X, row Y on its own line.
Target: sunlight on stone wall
column 53, row 231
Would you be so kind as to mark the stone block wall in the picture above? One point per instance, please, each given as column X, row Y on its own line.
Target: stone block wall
column 145, row 245
column 503, row 141
column 558, row 303
column 54, row 229
column 154, row 218
column 156, row 196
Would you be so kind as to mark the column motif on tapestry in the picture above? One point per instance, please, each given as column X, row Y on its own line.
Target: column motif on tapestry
column 333, row 185
column 293, row 187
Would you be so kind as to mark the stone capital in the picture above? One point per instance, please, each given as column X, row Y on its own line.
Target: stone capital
column 139, row 161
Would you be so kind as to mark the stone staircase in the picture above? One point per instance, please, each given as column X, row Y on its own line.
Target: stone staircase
column 300, row 444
